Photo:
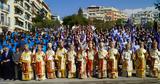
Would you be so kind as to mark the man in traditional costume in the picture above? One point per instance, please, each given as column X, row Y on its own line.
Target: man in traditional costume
column 90, row 57
column 140, row 61
column 112, row 61
column 26, row 61
column 39, row 58
column 127, row 64
column 61, row 59
column 50, row 64
column 102, row 63
column 154, row 56
column 71, row 55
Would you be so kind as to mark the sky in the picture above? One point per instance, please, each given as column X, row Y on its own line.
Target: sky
column 68, row 7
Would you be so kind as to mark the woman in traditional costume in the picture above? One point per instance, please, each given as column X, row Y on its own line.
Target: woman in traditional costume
column 112, row 61
column 61, row 60
column 140, row 61
column 90, row 57
column 154, row 56
column 50, row 64
column 26, row 61
column 71, row 55
column 40, row 64
column 127, row 64
column 81, row 58
column 102, row 62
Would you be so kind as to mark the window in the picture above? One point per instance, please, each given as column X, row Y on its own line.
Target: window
column 2, row 18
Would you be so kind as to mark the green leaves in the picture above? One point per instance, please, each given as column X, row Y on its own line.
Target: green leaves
column 103, row 25
column 157, row 6
column 120, row 22
column 75, row 20
column 40, row 22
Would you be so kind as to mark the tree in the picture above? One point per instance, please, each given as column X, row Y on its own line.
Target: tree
column 157, row 6
column 103, row 25
column 75, row 20
column 80, row 12
column 149, row 25
column 120, row 22
column 41, row 22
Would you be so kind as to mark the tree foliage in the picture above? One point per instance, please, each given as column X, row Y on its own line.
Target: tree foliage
column 120, row 22
column 157, row 6
column 40, row 22
column 149, row 25
column 75, row 20
column 103, row 25
column 80, row 12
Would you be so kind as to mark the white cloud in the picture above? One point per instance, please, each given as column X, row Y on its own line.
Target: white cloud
column 131, row 11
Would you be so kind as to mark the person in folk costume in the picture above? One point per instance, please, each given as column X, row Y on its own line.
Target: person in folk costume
column 127, row 64
column 154, row 55
column 140, row 60
column 71, row 55
column 7, row 65
column 102, row 62
column 39, row 59
column 50, row 65
column 112, row 61
column 90, row 58
column 26, row 61
column 61, row 59
column 81, row 58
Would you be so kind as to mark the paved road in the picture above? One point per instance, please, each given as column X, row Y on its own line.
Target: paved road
column 120, row 80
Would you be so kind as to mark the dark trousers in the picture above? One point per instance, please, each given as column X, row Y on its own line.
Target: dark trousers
column 17, row 72
column 7, row 70
column 0, row 70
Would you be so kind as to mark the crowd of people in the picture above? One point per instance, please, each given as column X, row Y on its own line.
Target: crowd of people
column 79, row 52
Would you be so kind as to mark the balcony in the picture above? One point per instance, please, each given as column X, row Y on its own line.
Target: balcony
column 4, row 7
column 27, row 2
column 19, row 4
column 20, row 28
column 19, row 23
column 19, row 13
column 28, row 17
column 27, row 8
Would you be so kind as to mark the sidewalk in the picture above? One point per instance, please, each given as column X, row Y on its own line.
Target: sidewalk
column 120, row 80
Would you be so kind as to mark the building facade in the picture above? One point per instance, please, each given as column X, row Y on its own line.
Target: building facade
column 4, row 15
column 103, row 13
column 40, row 7
column 18, row 14
column 143, row 17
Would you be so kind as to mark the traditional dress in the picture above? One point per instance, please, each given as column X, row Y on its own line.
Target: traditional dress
column 71, row 63
column 140, row 63
column 82, row 57
column 27, row 72
column 127, row 65
column 90, row 56
column 155, row 62
column 50, row 64
column 102, row 63
column 61, row 58
column 40, row 66
column 112, row 63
